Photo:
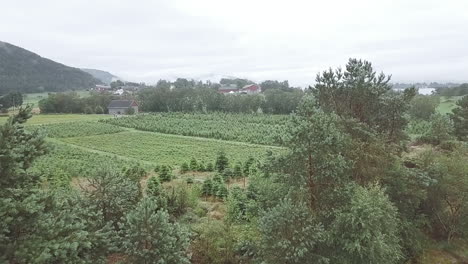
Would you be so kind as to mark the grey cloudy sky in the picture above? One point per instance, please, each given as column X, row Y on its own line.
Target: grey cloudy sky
column 143, row 40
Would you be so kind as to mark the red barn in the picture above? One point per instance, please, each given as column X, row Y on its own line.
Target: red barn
column 228, row 89
column 251, row 89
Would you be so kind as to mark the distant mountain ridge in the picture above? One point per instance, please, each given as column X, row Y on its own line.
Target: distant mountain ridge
column 103, row 76
column 24, row 71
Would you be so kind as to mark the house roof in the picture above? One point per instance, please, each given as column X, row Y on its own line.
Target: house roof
column 122, row 104
column 231, row 87
column 228, row 89
column 251, row 87
column 102, row 86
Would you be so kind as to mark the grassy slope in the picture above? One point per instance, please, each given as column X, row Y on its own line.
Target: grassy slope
column 447, row 104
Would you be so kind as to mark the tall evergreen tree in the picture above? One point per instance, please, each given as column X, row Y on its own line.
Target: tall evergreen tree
column 222, row 162
column 111, row 193
column 42, row 226
column 366, row 229
column 359, row 93
column 149, row 237
column 154, row 187
column 18, row 149
column 290, row 234
column 317, row 146
column 165, row 173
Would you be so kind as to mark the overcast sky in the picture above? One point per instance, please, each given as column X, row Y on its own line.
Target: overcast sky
column 144, row 40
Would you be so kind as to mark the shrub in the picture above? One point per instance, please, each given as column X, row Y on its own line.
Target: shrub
column 154, row 187
column 207, row 187
column 99, row 110
column 222, row 162
column 157, row 168
column 149, row 237
column 440, row 129
column 184, row 167
column 88, row 110
column 130, row 111
column 165, row 174
column 135, row 173
column 201, row 167
column 209, row 167
column 193, row 164
column 237, row 173
column 180, row 198
column 423, row 106
column 449, row 145
column 189, row 180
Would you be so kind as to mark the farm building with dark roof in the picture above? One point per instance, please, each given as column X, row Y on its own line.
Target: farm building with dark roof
column 120, row 107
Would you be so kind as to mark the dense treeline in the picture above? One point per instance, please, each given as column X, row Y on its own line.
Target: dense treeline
column 346, row 193
column 459, row 118
column 239, row 83
column 424, row 85
column 188, row 96
column 71, row 102
column 453, row 91
column 27, row 72
column 11, row 99
column 429, row 126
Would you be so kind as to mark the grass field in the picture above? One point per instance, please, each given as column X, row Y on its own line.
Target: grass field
column 64, row 162
column 59, row 118
column 162, row 149
column 447, row 104
column 78, row 140
column 78, row 129
column 34, row 98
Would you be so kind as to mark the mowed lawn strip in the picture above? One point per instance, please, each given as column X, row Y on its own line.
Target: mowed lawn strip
column 169, row 149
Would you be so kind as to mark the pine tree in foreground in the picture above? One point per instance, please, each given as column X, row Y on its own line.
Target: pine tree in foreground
column 149, row 237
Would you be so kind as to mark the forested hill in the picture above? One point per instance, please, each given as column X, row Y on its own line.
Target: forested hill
column 103, row 76
column 25, row 71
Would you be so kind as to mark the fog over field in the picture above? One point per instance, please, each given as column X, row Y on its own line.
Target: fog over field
column 208, row 39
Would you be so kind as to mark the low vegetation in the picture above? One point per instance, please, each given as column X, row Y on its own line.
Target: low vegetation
column 59, row 118
column 77, row 129
column 257, row 129
column 72, row 102
column 64, row 163
column 167, row 149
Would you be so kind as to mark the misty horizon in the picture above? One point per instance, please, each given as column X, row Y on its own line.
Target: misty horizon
column 421, row 41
